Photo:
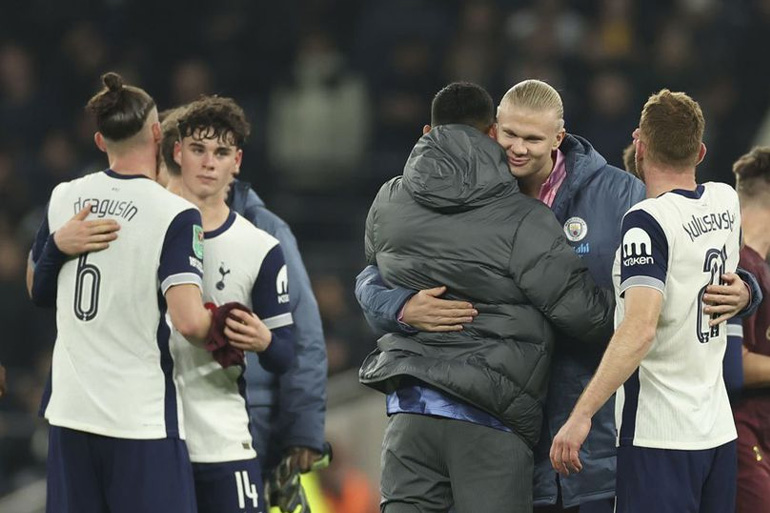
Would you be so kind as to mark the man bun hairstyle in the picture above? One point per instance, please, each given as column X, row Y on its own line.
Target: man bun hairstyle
column 463, row 103
column 121, row 110
column 215, row 117
column 752, row 173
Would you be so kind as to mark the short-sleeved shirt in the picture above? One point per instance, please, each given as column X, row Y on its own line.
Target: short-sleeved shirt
column 112, row 371
column 678, row 244
column 754, row 405
column 243, row 264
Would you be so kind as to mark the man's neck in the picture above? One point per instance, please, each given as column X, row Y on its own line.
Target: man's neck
column 660, row 179
column 136, row 163
column 531, row 184
column 214, row 210
column 755, row 232
column 213, row 213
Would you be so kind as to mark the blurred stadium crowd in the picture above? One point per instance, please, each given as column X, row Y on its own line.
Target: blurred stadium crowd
column 337, row 92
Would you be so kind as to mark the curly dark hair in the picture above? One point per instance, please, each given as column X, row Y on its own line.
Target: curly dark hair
column 215, row 117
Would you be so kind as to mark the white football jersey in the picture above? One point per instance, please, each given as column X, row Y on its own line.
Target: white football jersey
column 243, row 264
column 112, row 371
column 678, row 243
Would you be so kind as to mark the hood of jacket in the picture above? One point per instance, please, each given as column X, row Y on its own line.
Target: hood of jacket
column 238, row 195
column 581, row 159
column 456, row 168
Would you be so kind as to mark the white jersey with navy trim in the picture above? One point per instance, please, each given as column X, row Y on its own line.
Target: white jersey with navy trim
column 112, row 371
column 678, row 243
column 244, row 264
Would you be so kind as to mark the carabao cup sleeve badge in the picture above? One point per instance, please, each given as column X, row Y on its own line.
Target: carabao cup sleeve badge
column 575, row 229
column 198, row 241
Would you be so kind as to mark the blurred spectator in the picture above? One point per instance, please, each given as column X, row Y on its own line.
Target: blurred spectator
column 610, row 120
column 319, row 122
column 348, row 339
column 14, row 197
column 23, row 109
column 613, row 38
column 190, row 80
column 473, row 53
column 346, row 487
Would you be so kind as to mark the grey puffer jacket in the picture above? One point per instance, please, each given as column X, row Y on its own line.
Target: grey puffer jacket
column 457, row 218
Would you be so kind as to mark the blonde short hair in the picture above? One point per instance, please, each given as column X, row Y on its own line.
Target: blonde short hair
column 535, row 95
column 672, row 128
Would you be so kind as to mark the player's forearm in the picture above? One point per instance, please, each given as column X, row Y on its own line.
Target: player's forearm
column 631, row 342
column 756, row 370
column 188, row 315
column 279, row 355
column 46, row 274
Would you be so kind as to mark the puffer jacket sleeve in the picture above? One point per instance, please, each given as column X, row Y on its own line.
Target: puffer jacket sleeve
column 557, row 282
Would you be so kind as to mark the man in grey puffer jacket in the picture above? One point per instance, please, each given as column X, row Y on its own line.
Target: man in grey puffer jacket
column 466, row 406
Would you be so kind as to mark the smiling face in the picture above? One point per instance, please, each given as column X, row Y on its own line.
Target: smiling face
column 208, row 164
column 529, row 136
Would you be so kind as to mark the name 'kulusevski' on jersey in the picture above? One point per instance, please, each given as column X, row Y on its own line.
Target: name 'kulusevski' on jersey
column 214, row 397
column 112, row 372
column 664, row 403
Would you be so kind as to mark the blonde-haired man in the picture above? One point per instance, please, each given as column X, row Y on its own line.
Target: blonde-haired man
column 676, row 433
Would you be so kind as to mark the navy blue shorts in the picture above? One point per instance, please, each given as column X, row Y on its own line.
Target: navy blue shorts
column 672, row 481
column 90, row 473
column 233, row 486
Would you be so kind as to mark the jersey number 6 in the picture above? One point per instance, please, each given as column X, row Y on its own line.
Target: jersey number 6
column 87, row 274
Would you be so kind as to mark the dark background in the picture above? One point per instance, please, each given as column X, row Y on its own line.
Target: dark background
column 337, row 93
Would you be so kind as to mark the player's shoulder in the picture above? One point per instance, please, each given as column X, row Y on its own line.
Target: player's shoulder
column 168, row 203
column 248, row 232
column 722, row 190
column 76, row 183
column 651, row 206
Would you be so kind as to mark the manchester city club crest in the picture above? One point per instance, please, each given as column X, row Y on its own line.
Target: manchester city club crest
column 575, row 229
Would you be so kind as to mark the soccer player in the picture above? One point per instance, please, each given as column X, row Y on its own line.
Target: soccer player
column 116, row 437
column 676, row 434
column 752, row 411
column 212, row 132
column 287, row 411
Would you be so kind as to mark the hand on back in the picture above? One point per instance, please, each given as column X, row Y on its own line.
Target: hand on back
column 426, row 311
column 78, row 236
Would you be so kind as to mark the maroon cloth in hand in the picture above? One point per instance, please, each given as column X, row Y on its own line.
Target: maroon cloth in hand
column 216, row 341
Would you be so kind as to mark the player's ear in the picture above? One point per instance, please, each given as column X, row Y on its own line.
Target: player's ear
column 425, row 129
column 238, row 158
column 560, row 135
column 99, row 140
column 701, row 153
column 178, row 152
column 157, row 135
